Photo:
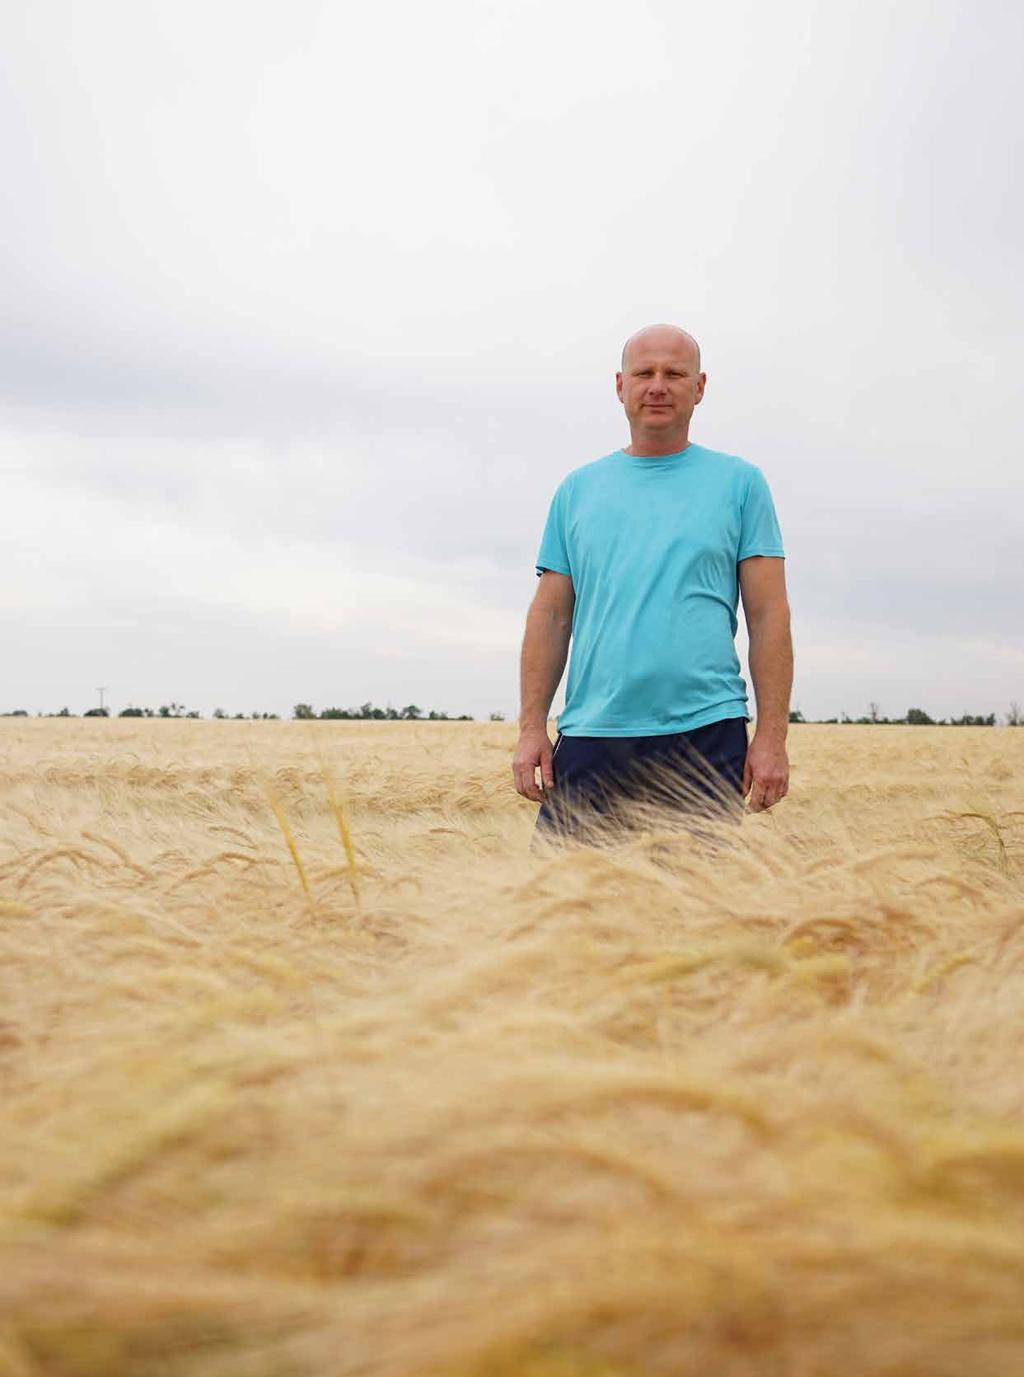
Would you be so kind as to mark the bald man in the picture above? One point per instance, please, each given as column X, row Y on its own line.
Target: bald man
column 642, row 560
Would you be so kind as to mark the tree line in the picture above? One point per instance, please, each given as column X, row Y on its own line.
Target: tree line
column 368, row 712
column 917, row 717
column 302, row 712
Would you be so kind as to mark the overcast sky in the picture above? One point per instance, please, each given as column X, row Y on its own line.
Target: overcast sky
column 308, row 307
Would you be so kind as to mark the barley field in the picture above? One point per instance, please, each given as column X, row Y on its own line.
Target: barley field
column 310, row 1066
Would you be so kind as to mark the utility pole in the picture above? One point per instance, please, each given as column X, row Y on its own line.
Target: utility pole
column 101, row 691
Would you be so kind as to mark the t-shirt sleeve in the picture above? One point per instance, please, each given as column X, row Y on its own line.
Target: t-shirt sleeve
column 759, row 526
column 553, row 553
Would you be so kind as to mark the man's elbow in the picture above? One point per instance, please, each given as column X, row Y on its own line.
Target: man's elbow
column 773, row 618
column 555, row 619
column 554, row 612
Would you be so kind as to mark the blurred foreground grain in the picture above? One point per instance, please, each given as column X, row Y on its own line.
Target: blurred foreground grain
column 427, row 1105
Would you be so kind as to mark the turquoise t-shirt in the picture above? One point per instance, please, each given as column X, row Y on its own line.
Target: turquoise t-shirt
column 651, row 546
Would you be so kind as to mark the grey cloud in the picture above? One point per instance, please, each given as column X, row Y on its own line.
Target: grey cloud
column 278, row 320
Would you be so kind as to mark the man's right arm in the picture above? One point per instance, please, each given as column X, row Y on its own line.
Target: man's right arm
column 545, row 650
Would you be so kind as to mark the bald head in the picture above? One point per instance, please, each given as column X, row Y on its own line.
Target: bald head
column 661, row 336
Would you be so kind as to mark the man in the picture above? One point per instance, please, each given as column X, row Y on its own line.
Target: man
column 641, row 562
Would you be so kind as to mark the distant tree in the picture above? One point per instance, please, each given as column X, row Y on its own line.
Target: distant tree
column 496, row 717
column 797, row 716
column 411, row 713
column 97, row 712
column 18, row 712
column 1014, row 717
column 131, row 712
column 193, row 713
column 917, row 717
column 219, row 714
column 303, row 712
column 967, row 720
column 64, row 712
column 873, row 712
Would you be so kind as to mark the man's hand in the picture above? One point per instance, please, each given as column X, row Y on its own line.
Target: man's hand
column 766, row 773
column 763, row 589
column 533, row 752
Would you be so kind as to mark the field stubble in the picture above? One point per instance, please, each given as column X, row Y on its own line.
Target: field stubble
column 309, row 1066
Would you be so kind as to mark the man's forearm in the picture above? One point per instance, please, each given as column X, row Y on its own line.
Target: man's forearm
column 771, row 669
column 545, row 650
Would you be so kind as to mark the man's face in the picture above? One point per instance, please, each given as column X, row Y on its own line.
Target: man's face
column 659, row 384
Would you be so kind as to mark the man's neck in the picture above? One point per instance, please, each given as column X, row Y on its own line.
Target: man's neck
column 656, row 446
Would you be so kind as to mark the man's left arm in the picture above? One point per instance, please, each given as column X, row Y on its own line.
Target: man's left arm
column 766, row 608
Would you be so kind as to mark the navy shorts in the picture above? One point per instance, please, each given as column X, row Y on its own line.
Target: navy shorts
column 684, row 771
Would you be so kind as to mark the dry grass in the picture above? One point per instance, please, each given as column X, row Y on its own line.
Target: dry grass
column 308, row 1066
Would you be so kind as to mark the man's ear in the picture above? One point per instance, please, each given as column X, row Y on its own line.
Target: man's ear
column 701, row 381
column 618, row 386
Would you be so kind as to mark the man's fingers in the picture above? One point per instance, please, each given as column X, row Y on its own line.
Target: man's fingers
column 765, row 794
column 748, row 777
column 533, row 756
column 547, row 770
column 526, row 783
